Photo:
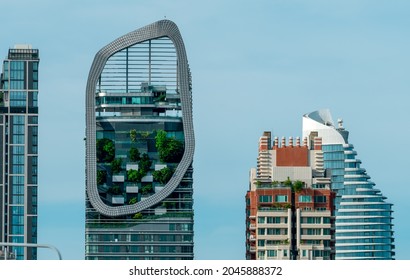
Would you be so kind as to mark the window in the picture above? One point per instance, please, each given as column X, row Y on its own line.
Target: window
column 312, row 220
column 273, row 220
column 261, row 242
column 261, row 231
column 272, row 253
column 261, row 220
column 265, row 198
column 281, row 198
column 320, row 199
column 261, row 254
column 305, row 198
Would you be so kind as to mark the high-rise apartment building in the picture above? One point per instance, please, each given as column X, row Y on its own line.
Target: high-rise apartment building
column 139, row 148
column 289, row 204
column 340, row 214
column 18, row 150
column 364, row 228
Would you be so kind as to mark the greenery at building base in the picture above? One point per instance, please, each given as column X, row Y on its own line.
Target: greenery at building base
column 163, row 175
column 134, row 154
column 101, row 177
column 105, row 150
column 169, row 149
column 137, row 216
column 116, row 165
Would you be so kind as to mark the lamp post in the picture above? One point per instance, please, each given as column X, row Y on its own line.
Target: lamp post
column 31, row 245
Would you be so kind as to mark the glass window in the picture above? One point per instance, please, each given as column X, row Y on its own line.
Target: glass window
column 265, row 198
column 261, row 220
column 272, row 253
column 261, row 254
column 305, row 198
column 281, row 198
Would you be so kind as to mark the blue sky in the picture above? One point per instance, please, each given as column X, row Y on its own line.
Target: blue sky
column 256, row 66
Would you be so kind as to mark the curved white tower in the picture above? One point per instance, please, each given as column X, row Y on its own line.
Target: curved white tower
column 363, row 217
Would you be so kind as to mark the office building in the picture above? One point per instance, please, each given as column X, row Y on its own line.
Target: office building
column 289, row 204
column 364, row 228
column 139, row 148
column 18, row 151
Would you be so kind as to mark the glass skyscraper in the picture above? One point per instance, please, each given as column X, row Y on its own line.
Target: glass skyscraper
column 364, row 228
column 18, row 150
column 139, row 148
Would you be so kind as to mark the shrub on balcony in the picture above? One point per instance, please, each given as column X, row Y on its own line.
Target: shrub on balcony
column 169, row 149
column 116, row 165
column 137, row 216
column 134, row 154
column 132, row 201
column 101, row 177
column 133, row 135
column 105, row 150
column 163, row 175
column 135, row 175
column 144, row 163
column 146, row 189
column 115, row 190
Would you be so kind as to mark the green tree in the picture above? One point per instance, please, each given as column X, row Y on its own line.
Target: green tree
column 133, row 200
column 298, row 186
column 163, row 175
column 138, row 216
column 133, row 135
column 101, row 177
column 146, row 189
column 116, row 165
column 169, row 149
column 134, row 154
column 135, row 175
column 105, row 150
column 288, row 183
column 115, row 189
column 144, row 163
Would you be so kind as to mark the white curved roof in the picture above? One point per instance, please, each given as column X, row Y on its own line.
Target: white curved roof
column 322, row 122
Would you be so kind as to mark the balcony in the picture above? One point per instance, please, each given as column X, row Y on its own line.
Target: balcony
column 147, row 179
column 131, row 189
column 131, row 166
column 118, row 178
column 117, row 199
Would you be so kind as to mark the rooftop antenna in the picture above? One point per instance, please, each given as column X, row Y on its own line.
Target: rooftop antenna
column 340, row 122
